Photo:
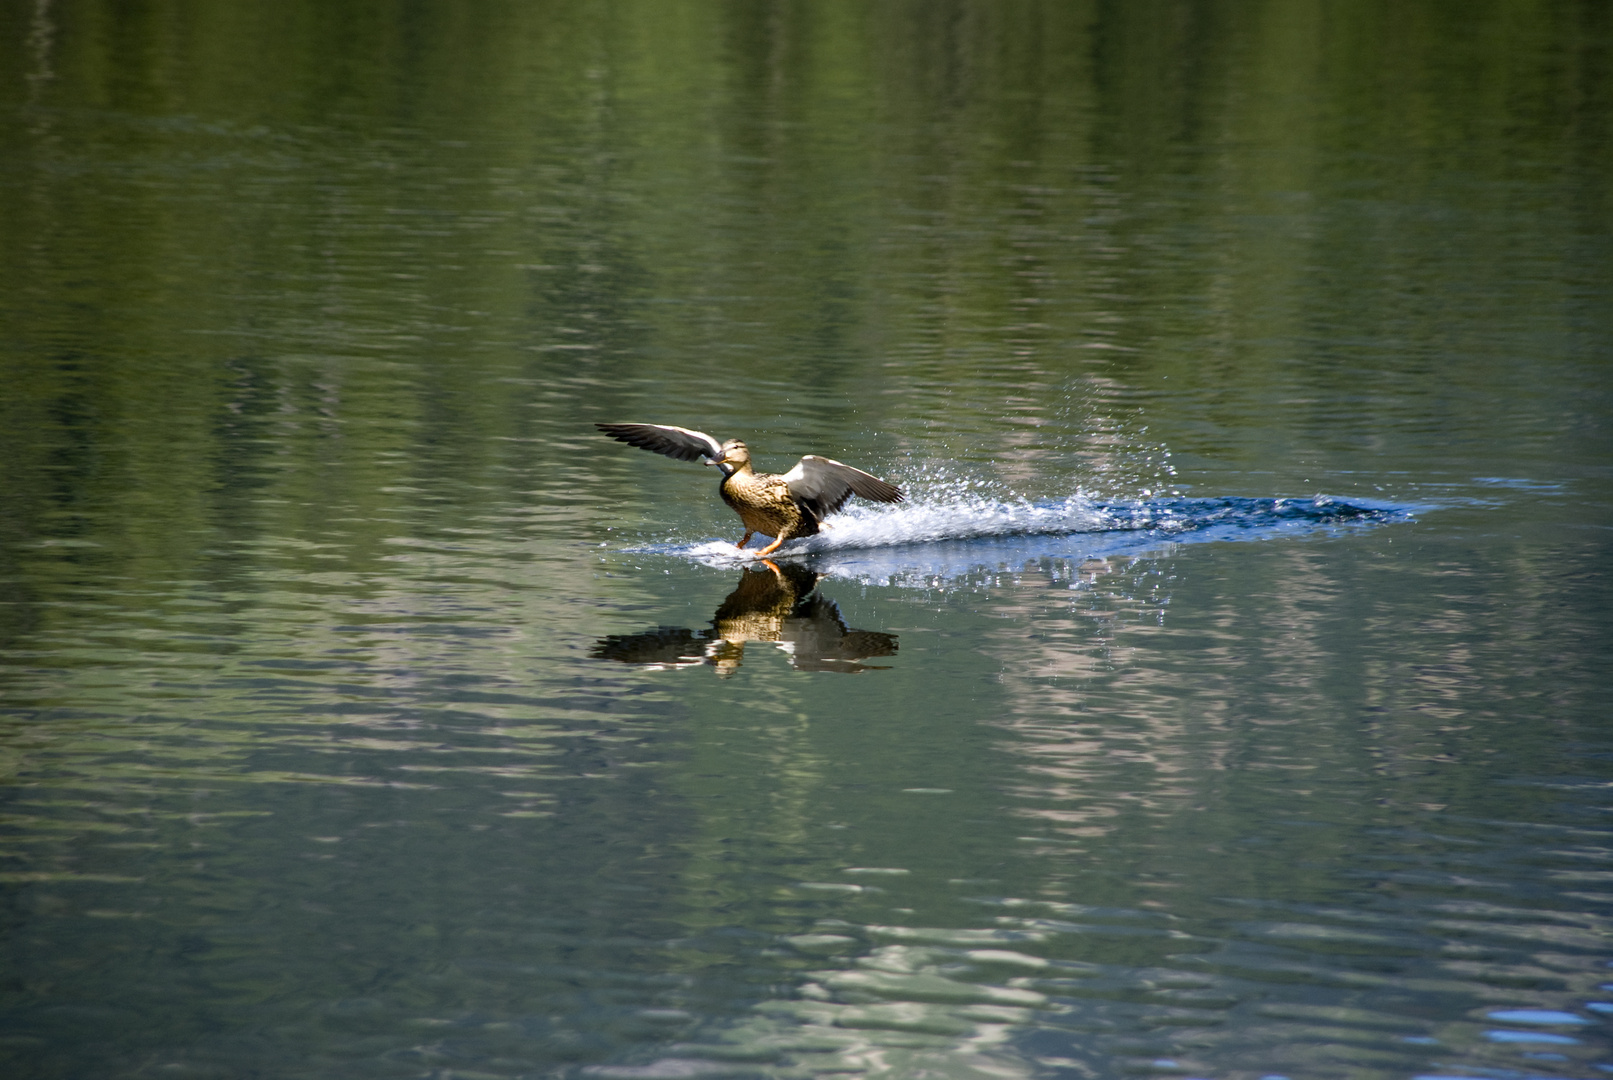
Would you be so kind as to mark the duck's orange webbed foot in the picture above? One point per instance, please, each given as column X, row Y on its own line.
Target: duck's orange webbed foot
column 746, row 540
column 770, row 548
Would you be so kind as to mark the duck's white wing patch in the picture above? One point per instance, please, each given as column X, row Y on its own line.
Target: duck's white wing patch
column 823, row 485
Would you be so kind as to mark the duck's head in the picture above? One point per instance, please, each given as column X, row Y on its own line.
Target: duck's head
column 735, row 455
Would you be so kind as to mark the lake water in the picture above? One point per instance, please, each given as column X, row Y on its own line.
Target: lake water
column 1231, row 698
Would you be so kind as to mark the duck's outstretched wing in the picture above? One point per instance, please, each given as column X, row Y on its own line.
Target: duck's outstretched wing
column 676, row 442
column 822, row 485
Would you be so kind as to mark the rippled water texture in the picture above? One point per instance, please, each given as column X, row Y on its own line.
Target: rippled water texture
column 1229, row 698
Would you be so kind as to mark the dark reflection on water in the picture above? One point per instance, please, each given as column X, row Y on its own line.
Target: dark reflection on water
column 777, row 604
column 1246, row 364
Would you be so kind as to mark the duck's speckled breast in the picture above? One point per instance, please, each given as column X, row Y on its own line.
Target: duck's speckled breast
column 763, row 502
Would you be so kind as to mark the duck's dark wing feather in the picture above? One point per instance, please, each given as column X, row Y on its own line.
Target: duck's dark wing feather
column 676, row 442
column 823, row 485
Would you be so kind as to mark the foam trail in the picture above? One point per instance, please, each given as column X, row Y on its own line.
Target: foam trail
column 965, row 519
column 946, row 538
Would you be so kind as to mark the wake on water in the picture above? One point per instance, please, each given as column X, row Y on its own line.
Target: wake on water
column 945, row 538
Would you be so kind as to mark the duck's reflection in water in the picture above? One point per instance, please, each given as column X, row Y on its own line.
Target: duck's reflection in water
column 777, row 605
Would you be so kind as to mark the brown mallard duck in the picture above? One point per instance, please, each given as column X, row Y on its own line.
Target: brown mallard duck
column 781, row 505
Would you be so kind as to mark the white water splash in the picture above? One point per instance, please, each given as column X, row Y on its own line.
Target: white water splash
column 947, row 532
column 912, row 523
column 964, row 519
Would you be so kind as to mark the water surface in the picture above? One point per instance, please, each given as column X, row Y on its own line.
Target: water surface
column 1229, row 699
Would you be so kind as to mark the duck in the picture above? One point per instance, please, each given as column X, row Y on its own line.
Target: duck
column 783, row 506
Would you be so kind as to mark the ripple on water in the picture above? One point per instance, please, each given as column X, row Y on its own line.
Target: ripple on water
column 1535, row 1016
